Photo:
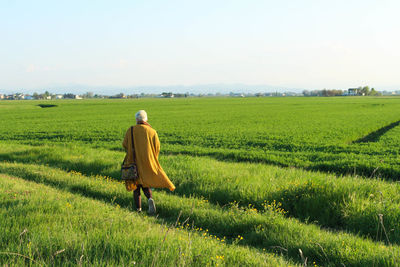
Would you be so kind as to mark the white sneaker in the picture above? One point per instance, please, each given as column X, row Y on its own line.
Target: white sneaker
column 152, row 206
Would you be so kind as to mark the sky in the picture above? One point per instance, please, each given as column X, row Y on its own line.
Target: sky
column 308, row 44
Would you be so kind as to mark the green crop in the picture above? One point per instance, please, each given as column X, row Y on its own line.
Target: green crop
column 274, row 175
column 325, row 134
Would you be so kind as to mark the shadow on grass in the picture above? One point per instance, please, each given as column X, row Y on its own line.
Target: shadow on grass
column 39, row 156
column 337, row 163
column 375, row 135
column 47, row 105
column 216, row 224
column 305, row 161
column 166, row 214
column 309, row 204
column 304, row 202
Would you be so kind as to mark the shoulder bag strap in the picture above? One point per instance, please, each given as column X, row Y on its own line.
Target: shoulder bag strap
column 133, row 145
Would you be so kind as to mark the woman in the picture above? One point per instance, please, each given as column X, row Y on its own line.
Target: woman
column 147, row 149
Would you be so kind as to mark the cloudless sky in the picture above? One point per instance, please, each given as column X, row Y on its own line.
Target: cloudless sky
column 310, row 44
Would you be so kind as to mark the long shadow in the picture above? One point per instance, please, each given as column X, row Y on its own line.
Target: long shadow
column 306, row 161
column 330, row 167
column 45, row 158
column 308, row 204
column 166, row 214
column 375, row 135
column 304, row 203
column 212, row 222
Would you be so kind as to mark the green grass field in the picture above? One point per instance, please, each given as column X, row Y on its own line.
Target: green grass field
column 260, row 182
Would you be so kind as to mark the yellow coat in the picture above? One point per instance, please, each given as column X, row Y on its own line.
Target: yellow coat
column 147, row 149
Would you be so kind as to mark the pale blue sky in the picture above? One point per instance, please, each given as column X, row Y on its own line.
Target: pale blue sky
column 311, row 44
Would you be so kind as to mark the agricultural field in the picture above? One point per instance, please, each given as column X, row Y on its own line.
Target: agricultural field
column 259, row 182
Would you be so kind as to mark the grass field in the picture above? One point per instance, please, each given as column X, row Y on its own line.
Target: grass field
column 260, row 181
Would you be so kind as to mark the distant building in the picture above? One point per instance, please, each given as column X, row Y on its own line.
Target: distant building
column 237, row 94
column 1, row 96
column 120, row 95
column 353, row 91
column 167, row 95
column 59, row 96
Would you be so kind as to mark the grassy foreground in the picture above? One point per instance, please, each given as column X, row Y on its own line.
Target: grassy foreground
column 61, row 202
column 358, row 205
column 266, row 228
column 67, row 229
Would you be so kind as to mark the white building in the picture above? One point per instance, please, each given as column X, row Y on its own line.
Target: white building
column 353, row 91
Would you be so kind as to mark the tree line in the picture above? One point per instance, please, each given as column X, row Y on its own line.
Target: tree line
column 361, row 91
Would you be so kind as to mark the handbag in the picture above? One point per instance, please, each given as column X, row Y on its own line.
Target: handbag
column 130, row 171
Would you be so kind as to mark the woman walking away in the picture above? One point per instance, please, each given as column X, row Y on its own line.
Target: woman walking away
column 146, row 148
